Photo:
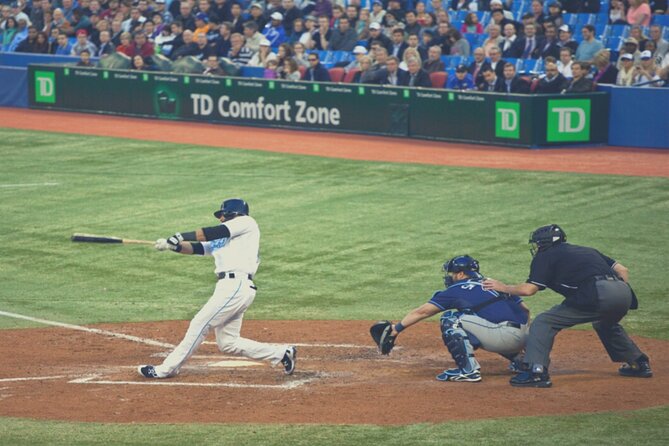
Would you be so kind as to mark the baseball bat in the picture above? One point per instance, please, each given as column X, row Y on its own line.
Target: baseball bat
column 90, row 238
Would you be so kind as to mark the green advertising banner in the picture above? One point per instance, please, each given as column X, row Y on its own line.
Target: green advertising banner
column 516, row 120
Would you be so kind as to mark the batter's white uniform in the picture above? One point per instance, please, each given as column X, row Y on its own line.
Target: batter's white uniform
column 235, row 256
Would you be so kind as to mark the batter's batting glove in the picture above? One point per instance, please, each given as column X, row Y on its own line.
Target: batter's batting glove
column 174, row 242
column 161, row 245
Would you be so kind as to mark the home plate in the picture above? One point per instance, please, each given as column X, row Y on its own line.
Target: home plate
column 234, row 363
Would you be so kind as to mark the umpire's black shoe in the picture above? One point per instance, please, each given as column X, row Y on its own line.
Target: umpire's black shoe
column 530, row 379
column 637, row 369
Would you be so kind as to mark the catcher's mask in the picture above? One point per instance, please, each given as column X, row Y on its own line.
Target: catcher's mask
column 545, row 237
column 232, row 208
column 465, row 264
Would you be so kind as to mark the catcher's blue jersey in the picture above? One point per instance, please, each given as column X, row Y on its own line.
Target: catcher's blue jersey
column 468, row 294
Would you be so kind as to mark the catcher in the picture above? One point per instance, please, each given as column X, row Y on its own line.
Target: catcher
column 473, row 318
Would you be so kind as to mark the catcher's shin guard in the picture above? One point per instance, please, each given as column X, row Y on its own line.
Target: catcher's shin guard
column 457, row 343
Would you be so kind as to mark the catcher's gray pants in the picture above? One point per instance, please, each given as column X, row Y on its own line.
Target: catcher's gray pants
column 614, row 301
column 495, row 337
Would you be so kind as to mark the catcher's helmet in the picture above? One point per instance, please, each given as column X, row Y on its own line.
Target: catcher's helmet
column 232, row 208
column 545, row 237
column 465, row 264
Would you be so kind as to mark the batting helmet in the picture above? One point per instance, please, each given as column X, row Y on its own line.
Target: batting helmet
column 545, row 237
column 465, row 264
column 232, row 208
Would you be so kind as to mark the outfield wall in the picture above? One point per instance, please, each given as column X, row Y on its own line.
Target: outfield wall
column 476, row 117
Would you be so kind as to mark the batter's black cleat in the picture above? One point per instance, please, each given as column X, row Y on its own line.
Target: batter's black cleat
column 637, row 369
column 289, row 360
column 531, row 379
column 147, row 371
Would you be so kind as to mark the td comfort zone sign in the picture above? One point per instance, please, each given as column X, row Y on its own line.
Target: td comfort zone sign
column 45, row 87
column 568, row 120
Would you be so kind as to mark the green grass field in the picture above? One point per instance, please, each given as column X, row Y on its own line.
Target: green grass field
column 340, row 240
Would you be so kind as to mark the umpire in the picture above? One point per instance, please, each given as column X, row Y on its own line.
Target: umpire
column 595, row 290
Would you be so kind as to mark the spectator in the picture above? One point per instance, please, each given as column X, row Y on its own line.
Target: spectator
column 589, row 46
column 408, row 54
column 344, row 38
column 411, row 23
column 477, row 66
column 398, row 43
column 298, row 31
column 391, row 74
column 533, row 44
column 550, row 46
column 290, row 13
column 316, row 72
column 284, row 52
column 364, row 73
column 554, row 14
column 607, row 73
column 139, row 63
column 497, row 5
column 204, row 49
column 661, row 45
column 170, row 39
column 494, row 38
column 553, row 82
column 565, row 39
column 380, row 58
column 64, row 47
column 274, row 30
column 106, row 46
column 116, row 31
column 459, row 45
column 496, row 61
column 135, row 21
column 443, row 38
column 580, row 82
column 85, row 59
column 83, row 44
column 617, row 15
column 20, row 35
column 646, row 70
column 125, row 47
column 186, row 16
column 321, row 38
column 434, row 63
column 395, row 8
column 512, row 82
column 28, row 44
column 290, row 70
column 638, row 13
column 239, row 53
column 471, row 24
column 359, row 52
column 491, row 82
column 68, row 9
column 413, row 41
column 271, row 68
column 142, row 46
column 189, row 48
column 205, row 7
column 42, row 45
column 637, row 33
column 257, row 15
column 630, row 46
column 417, row 76
column 40, row 7
column 337, row 13
column 461, row 81
column 222, row 42
column 300, row 55
column 376, row 34
column 627, row 71
column 237, row 18
column 222, row 10
column 378, row 13
column 362, row 24
column 513, row 45
column 252, row 36
column 202, row 25
column 565, row 63
column 537, row 12
column 263, row 55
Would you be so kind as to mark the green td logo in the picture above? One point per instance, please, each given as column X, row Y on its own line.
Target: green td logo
column 507, row 119
column 45, row 87
column 568, row 120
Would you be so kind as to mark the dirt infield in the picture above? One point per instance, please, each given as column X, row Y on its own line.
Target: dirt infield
column 55, row 373
column 601, row 160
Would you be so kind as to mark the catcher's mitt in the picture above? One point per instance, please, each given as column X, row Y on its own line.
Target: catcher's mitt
column 380, row 332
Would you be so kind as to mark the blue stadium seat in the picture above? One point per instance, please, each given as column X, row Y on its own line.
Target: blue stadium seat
column 665, row 33
column 522, row 65
column 569, row 18
column 601, row 30
column 473, row 39
column 604, row 7
column 618, row 30
column 484, row 17
column 518, row 6
column 452, row 61
column 538, row 66
column 613, row 42
column 513, row 61
column 461, row 14
column 662, row 20
column 456, row 24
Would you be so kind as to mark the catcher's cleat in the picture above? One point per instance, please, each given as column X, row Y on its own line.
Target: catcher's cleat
column 459, row 375
column 636, row 369
column 289, row 360
column 147, row 371
column 530, row 379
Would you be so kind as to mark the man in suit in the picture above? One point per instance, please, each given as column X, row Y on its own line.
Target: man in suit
column 417, row 76
column 434, row 62
column 533, row 43
column 399, row 45
column 316, row 71
column 550, row 46
column 553, row 83
column 512, row 83
column 490, row 82
column 496, row 61
column 512, row 46
column 580, row 83
column 392, row 75
column 476, row 67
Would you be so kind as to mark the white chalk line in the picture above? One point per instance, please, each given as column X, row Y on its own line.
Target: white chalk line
column 94, row 379
column 32, row 378
column 321, row 345
column 28, row 185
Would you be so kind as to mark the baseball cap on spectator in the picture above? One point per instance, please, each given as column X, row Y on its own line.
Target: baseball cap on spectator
column 202, row 16
column 555, row 5
column 310, row 17
column 256, row 5
column 265, row 42
column 375, row 25
column 359, row 49
column 495, row 2
column 632, row 40
column 646, row 55
column 160, row 1
column 627, row 56
column 461, row 69
column 565, row 28
column 276, row 16
column 377, row 2
column 82, row 32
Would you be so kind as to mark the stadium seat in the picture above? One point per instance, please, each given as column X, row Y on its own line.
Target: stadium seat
column 461, row 14
column 473, row 39
column 337, row 74
column 536, row 67
column 438, row 79
column 600, row 30
column 662, row 20
column 350, row 75
column 451, row 61
column 618, row 30
column 569, row 19
column 613, row 43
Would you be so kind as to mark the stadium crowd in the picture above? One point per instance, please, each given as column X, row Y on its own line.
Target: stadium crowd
column 514, row 46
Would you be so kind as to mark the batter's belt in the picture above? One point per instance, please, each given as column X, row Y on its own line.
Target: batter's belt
column 232, row 275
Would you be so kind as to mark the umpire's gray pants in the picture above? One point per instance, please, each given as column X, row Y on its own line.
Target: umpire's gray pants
column 614, row 301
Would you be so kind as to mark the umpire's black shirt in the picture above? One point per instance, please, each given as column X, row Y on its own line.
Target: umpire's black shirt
column 570, row 270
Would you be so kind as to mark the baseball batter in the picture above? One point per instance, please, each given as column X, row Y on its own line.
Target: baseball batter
column 234, row 244
column 473, row 318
